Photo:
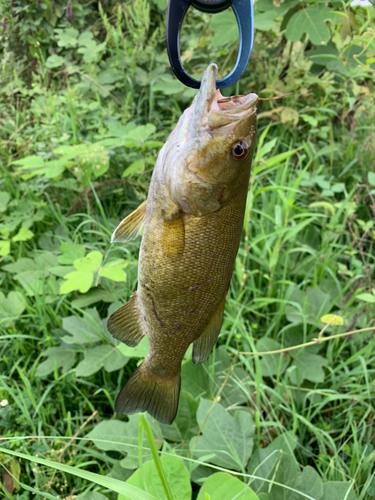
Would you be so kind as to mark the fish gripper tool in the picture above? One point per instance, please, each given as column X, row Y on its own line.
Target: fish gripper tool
column 243, row 10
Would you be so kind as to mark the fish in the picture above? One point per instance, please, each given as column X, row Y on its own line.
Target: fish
column 192, row 222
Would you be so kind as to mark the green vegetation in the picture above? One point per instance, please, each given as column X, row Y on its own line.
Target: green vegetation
column 87, row 99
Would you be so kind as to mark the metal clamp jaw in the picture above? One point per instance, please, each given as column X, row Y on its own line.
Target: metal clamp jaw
column 243, row 10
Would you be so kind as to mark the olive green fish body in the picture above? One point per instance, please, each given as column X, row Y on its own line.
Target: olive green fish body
column 192, row 223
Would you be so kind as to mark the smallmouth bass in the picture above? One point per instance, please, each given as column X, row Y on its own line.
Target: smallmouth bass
column 192, row 221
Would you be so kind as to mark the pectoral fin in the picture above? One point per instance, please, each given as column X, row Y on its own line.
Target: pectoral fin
column 126, row 325
column 202, row 347
column 131, row 226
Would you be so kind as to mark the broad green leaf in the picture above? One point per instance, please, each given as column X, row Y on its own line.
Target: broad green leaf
column 60, row 356
column 225, row 27
column 91, row 262
column 4, row 248
column 366, row 297
column 93, row 495
column 371, row 178
column 94, row 295
column 307, row 366
column 23, row 234
column 54, row 61
column 114, row 270
column 338, row 490
column 185, row 424
column 313, row 303
column 310, row 483
column 106, row 356
column 77, row 280
column 106, row 482
column 229, row 438
column 286, row 475
column 4, row 200
column 195, row 379
column 265, row 461
column 33, row 161
column 148, row 479
column 136, row 167
column 223, row 486
column 333, row 319
column 83, row 330
column 11, row 307
column 123, row 437
column 327, row 56
column 66, row 37
column 70, row 253
column 310, row 20
column 271, row 364
column 140, row 351
column 168, row 86
column 142, row 133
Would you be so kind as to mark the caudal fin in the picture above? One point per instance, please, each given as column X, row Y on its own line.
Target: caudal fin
column 145, row 392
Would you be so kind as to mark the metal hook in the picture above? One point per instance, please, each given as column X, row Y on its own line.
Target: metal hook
column 243, row 10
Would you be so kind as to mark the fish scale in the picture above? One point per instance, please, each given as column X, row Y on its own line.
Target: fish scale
column 192, row 223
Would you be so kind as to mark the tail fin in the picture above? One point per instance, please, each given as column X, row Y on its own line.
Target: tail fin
column 146, row 392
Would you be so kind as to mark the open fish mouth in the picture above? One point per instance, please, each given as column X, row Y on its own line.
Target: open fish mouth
column 212, row 109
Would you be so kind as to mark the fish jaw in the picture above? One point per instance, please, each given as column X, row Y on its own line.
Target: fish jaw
column 199, row 170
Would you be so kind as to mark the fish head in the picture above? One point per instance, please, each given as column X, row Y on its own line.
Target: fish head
column 207, row 159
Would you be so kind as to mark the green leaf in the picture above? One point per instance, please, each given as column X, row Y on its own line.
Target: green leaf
column 310, row 483
column 54, row 61
column 229, row 438
column 223, row 486
column 338, row 490
column 83, row 330
column 77, row 280
column 107, row 482
column 123, row 437
column 91, row 262
column 266, row 461
column 185, row 425
column 141, row 133
column 308, row 366
column 23, row 234
column 148, row 479
column 70, row 253
column 225, row 27
column 106, row 356
column 60, row 356
column 33, row 161
column 168, row 86
column 136, row 167
column 366, row 297
column 93, row 495
column 4, row 248
column 66, row 37
column 4, row 200
column 114, row 270
column 11, row 307
column 333, row 319
column 271, row 364
column 140, row 351
column 371, row 178
column 311, row 21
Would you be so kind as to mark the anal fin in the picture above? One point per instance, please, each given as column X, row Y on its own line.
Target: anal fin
column 131, row 226
column 126, row 324
column 202, row 347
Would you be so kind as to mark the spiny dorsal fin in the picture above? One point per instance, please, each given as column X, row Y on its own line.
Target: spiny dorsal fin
column 202, row 347
column 126, row 324
column 131, row 226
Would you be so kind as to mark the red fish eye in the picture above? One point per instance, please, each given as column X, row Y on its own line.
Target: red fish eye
column 239, row 150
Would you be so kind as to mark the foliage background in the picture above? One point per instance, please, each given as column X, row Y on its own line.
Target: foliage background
column 87, row 99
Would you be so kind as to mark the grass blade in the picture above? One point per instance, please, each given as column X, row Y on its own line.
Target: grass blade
column 107, row 482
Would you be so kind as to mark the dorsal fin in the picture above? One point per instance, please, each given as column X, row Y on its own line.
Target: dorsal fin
column 131, row 226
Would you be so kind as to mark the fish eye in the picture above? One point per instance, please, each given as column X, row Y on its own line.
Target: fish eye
column 239, row 150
